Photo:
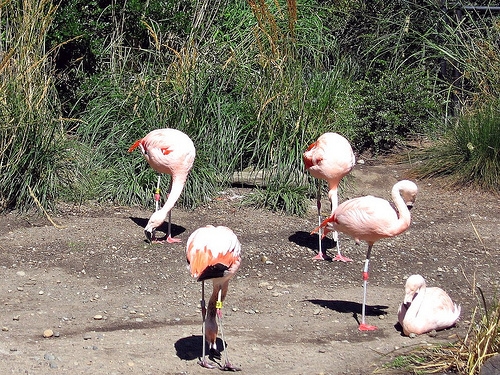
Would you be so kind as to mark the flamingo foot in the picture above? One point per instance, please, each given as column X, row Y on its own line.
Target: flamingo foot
column 229, row 367
column 341, row 258
column 204, row 363
column 321, row 256
column 366, row 327
column 172, row 240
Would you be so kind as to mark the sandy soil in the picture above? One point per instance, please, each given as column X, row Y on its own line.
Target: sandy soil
column 118, row 305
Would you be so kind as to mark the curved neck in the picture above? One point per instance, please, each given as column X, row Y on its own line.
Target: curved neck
column 404, row 217
column 416, row 303
column 174, row 194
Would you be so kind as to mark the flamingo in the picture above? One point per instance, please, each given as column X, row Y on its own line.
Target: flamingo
column 370, row 219
column 166, row 151
column 426, row 309
column 213, row 253
column 330, row 158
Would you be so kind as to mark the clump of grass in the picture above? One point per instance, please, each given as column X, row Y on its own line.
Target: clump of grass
column 469, row 154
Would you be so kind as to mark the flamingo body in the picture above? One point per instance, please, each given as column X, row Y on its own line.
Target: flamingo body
column 172, row 152
column 425, row 309
column 213, row 253
column 370, row 219
column 330, row 158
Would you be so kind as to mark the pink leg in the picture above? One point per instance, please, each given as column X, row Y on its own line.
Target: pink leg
column 363, row 326
column 320, row 255
column 169, row 238
column 339, row 257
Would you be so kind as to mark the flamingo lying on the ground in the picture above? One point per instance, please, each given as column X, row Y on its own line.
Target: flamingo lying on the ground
column 425, row 309
column 371, row 219
column 330, row 158
column 167, row 151
column 213, row 253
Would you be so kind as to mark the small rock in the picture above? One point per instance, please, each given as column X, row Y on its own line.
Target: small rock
column 97, row 317
column 15, row 317
column 5, row 329
column 87, row 336
column 412, row 335
column 48, row 333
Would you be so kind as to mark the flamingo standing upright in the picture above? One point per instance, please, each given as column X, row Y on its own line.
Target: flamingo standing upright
column 213, row 253
column 172, row 152
column 425, row 309
column 330, row 158
column 370, row 219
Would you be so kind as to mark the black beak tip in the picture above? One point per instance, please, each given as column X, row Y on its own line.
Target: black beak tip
column 149, row 236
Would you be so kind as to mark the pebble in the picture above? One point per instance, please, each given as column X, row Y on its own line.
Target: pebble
column 97, row 317
column 48, row 333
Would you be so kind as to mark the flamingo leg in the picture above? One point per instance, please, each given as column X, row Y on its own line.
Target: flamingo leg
column 169, row 224
column 363, row 326
column 203, row 361
column 157, row 194
column 227, row 365
column 320, row 255
column 339, row 257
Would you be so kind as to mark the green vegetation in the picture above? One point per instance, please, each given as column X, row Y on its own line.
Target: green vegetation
column 252, row 83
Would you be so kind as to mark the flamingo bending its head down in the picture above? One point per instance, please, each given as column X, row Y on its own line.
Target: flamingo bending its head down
column 330, row 158
column 426, row 309
column 213, row 253
column 370, row 219
column 172, row 152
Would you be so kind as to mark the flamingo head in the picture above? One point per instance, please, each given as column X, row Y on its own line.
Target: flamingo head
column 150, row 234
column 156, row 219
column 412, row 287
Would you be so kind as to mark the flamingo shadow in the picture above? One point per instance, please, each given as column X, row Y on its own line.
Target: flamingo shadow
column 189, row 348
column 175, row 229
column 311, row 241
column 353, row 308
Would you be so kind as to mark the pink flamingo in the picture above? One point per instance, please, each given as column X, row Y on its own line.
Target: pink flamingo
column 426, row 309
column 371, row 219
column 167, row 151
column 213, row 253
column 330, row 158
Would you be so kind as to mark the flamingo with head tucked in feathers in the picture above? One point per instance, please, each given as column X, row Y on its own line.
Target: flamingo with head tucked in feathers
column 426, row 309
column 370, row 219
column 213, row 253
column 172, row 152
column 330, row 158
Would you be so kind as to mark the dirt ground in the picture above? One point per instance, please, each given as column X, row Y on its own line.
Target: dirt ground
column 117, row 305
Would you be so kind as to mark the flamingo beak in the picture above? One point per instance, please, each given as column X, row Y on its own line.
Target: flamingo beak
column 150, row 235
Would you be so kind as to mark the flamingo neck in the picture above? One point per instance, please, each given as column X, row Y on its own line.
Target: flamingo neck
column 404, row 217
column 415, row 304
column 174, row 194
column 333, row 196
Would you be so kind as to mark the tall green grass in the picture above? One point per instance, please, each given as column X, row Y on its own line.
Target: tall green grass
column 32, row 142
column 468, row 154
